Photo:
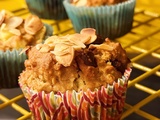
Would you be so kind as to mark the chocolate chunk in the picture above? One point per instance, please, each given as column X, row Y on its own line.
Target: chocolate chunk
column 99, row 40
column 88, row 58
column 118, row 65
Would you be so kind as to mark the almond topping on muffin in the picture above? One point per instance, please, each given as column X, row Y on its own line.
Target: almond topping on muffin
column 14, row 22
column 33, row 24
column 64, row 47
column 16, row 32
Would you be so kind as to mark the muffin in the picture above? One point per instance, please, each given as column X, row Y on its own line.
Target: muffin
column 111, row 18
column 73, row 77
column 17, row 33
column 47, row 9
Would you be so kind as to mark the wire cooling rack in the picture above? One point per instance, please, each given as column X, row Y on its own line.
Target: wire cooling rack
column 143, row 47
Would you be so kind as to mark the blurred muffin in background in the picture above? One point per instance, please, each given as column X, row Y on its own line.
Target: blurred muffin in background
column 17, row 33
column 47, row 9
column 111, row 18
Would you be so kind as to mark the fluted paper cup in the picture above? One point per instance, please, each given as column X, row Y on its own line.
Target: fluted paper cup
column 105, row 103
column 47, row 9
column 110, row 21
column 11, row 65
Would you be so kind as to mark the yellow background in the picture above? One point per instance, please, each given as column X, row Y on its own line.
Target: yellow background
column 151, row 5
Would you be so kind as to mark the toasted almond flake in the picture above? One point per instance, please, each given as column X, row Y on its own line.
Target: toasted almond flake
column 61, row 49
column 66, row 59
column 13, row 22
column 89, row 32
column 24, row 50
column 103, row 47
column 2, row 16
column 93, row 38
column 15, row 42
column 32, row 24
column 59, row 53
column 76, row 41
column 3, row 26
column 45, row 49
column 76, row 47
column 80, row 2
column 15, row 31
column 51, row 40
column 38, row 46
column 4, row 33
column 55, row 40
column 80, row 37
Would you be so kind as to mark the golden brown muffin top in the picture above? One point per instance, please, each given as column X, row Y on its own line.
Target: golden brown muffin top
column 73, row 62
column 95, row 2
column 16, row 32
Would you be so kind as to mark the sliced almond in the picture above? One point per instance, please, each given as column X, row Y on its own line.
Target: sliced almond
column 32, row 24
column 61, row 49
column 56, row 39
column 76, row 39
column 89, row 32
column 81, row 37
column 13, row 22
column 38, row 46
column 24, row 50
column 15, row 31
column 80, row 2
column 66, row 59
column 103, row 47
column 3, row 27
column 2, row 16
column 45, row 49
column 4, row 33
column 16, row 42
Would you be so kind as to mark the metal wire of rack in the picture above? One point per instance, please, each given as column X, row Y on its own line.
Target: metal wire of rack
column 142, row 45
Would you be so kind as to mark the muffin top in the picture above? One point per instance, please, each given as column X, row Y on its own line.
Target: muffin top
column 95, row 2
column 73, row 62
column 16, row 32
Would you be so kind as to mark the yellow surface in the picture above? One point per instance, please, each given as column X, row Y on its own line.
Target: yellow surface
column 144, row 39
column 12, row 4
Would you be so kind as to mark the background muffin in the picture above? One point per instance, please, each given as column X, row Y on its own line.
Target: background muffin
column 47, row 9
column 17, row 33
column 72, row 77
column 110, row 19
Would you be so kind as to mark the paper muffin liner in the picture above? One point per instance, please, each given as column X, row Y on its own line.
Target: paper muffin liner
column 12, row 64
column 101, row 104
column 47, row 9
column 110, row 21
column 49, row 31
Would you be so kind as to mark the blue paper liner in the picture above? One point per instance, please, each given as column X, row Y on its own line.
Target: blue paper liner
column 11, row 64
column 110, row 21
column 47, row 9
